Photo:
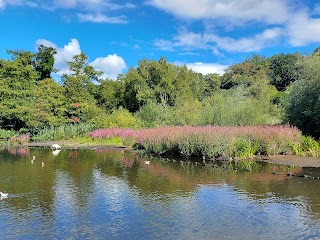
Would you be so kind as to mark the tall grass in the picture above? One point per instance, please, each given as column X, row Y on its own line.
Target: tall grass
column 211, row 141
column 63, row 132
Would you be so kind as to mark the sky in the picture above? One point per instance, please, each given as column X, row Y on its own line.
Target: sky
column 205, row 35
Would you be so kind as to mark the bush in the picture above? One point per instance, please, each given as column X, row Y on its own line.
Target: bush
column 303, row 109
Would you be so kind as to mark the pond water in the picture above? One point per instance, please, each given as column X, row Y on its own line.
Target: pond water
column 115, row 194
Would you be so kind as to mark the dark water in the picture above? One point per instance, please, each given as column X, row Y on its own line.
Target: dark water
column 113, row 194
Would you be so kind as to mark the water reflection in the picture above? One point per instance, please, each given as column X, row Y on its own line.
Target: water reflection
column 103, row 194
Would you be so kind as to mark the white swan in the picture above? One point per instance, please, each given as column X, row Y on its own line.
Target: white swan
column 56, row 152
column 55, row 146
column 3, row 195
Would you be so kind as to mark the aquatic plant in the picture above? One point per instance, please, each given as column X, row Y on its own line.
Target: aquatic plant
column 310, row 146
column 210, row 141
column 63, row 132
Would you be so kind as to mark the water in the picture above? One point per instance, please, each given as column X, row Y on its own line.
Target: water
column 113, row 194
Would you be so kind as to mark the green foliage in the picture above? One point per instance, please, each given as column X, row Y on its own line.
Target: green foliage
column 284, row 69
column 161, row 83
column 50, row 104
column 6, row 134
column 44, row 61
column 64, row 132
column 234, row 108
column 110, row 94
column 121, row 118
column 17, row 83
column 310, row 146
column 244, row 148
column 245, row 73
column 303, row 109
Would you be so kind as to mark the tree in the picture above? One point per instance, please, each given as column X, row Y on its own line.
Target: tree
column 50, row 103
column 80, row 90
column 17, row 84
column 245, row 73
column 110, row 94
column 284, row 69
column 160, row 82
column 44, row 61
column 303, row 108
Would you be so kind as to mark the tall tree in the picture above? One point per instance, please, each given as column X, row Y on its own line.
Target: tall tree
column 50, row 103
column 304, row 103
column 44, row 61
column 284, row 69
column 17, row 83
column 80, row 89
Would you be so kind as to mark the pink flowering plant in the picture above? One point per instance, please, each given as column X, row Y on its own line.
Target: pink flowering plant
column 211, row 141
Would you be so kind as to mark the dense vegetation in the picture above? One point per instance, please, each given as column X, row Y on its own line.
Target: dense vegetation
column 215, row 142
column 282, row 89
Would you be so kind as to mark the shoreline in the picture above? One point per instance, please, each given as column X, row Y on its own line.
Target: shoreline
column 289, row 160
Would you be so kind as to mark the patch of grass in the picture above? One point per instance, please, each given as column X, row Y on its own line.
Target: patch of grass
column 115, row 141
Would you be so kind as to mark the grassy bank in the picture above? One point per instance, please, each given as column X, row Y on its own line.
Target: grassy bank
column 216, row 142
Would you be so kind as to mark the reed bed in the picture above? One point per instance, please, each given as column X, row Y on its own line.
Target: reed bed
column 64, row 132
column 213, row 141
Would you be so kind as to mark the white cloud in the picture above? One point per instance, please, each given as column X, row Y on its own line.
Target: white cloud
column 235, row 11
column 206, row 68
column 195, row 41
column 65, row 3
column 247, row 44
column 303, row 30
column 100, row 18
column 5, row 3
column 2, row 4
column 111, row 66
column 63, row 55
column 96, row 5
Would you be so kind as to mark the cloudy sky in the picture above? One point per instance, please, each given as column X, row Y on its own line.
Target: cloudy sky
column 206, row 35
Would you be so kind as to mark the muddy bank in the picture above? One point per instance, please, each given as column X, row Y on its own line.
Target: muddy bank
column 292, row 160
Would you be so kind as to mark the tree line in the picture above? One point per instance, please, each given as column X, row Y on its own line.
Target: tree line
column 281, row 89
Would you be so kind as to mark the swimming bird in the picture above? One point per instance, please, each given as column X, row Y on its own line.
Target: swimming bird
column 55, row 146
column 33, row 158
column 56, row 152
column 3, row 195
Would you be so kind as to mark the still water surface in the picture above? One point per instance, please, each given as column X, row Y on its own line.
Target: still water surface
column 113, row 194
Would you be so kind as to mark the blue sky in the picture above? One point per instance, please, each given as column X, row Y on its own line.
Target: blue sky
column 206, row 35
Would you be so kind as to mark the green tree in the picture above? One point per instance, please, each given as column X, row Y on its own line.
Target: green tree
column 110, row 94
column 303, row 108
column 17, row 84
column 80, row 90
column 160, row 82
column 44, row 61
column 284, row 69
column 50, row 103
column 245, row 73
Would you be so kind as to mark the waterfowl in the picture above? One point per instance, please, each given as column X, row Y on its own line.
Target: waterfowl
column 147, row 162
column 42, row 164
column 33, row 158
column 3, row 195
column 55, row 146
column 56, row 152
